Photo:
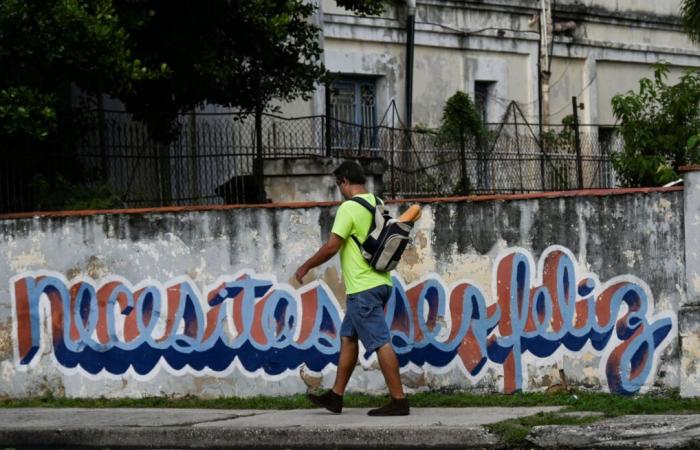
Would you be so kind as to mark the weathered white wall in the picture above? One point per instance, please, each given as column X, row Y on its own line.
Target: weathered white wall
column 618, row 78
column 689, row 314
column 651, row 7
column 103, row 274
column 312, row 180
column 632, row 35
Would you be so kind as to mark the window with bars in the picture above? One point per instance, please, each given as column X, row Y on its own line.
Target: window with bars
column 353, row 101
column 353, row 106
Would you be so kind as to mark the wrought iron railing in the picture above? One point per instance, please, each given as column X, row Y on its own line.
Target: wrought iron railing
column 211, row 159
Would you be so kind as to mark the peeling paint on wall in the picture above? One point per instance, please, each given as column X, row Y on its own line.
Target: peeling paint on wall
column 455, row 243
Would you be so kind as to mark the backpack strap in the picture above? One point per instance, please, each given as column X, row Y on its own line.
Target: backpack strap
column 365, row 203
column 368, row 207
column 378, row 201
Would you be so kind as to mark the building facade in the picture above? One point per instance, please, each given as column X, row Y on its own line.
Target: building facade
column 522, row 61
column 495, row 51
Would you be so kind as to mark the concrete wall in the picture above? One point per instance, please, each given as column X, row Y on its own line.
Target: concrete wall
column 689, row 314
column 312, row 180
column 494, row 296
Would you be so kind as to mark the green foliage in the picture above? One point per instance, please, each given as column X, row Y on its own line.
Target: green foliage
column 45, row 45
column 60, row 194
column 690, row 10
column 561, row 139
column 610, row 404
column 461, row 119
column 159, row 57
column 26, row 111
column 657, row 124
column 239, row 54
column 461, row 127
column 515, row 431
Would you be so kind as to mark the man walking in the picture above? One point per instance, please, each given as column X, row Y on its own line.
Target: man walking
column 367, row 292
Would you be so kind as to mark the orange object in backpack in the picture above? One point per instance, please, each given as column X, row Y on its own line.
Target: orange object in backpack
column 412, row 214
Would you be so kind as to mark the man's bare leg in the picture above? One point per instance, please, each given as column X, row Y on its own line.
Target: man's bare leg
column 390, row 369
column 347, row 361
column 333, row 400
column 398, row 406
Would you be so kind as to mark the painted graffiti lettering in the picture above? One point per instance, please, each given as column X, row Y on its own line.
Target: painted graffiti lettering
column 260, row 326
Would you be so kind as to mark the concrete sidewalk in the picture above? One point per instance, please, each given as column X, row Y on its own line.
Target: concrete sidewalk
column 316, row 429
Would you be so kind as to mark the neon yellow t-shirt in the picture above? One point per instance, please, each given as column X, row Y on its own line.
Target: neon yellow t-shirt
column 353, row 219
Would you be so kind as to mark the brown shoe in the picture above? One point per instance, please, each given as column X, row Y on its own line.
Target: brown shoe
column 329, row 400
column 397, row 407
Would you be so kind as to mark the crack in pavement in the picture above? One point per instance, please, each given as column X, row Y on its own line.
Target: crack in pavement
column 199, row 422
column 612, row 438
column 678, row 433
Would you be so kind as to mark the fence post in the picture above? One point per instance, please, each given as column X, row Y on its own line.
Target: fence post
column 542, row 153
column 258, row 173
column 101, row 136
column 577, row 136
column 517, row 149
column 392, row 156
column 463, row 157
column 164, row 175
column 194, row 160
column 328, row 119
column 362, row 136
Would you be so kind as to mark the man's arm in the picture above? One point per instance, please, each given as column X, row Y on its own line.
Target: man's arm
column 326, row 252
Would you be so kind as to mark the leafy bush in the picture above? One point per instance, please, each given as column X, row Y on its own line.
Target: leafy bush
column 60, row 194
column 658, row 124
column 461, row 124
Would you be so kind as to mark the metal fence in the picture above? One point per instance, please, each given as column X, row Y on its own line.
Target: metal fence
column 427, row 164
column 212, row 159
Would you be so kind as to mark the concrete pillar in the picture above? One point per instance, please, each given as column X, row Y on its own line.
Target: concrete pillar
column 689, row 311
column 312, row 180
column 319, row 99
column 590, row 95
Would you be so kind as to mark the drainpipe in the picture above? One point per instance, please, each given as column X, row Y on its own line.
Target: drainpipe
column 410, row 36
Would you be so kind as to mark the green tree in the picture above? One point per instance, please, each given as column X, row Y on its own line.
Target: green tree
column 690, row 10
column 156, row 55
column 461, row 124
column 159, row 57
column 657, row 123
column 240, row 54
column 45, row 46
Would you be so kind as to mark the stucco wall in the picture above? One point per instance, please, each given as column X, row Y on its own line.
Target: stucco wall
column 650, row 7
column 452, row 38
column 203, row 302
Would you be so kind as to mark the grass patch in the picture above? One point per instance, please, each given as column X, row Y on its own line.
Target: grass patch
column 511, row 432
column 430, row 399
column 515, row 431
column 610, row 404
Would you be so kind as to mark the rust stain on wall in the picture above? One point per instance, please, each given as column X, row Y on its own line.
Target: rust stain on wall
column 411, row 257
column 94, row 268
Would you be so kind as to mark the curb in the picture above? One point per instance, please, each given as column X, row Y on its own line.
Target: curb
column 193, row 437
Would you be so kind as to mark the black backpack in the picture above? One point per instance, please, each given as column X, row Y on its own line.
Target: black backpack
column 386, row 240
